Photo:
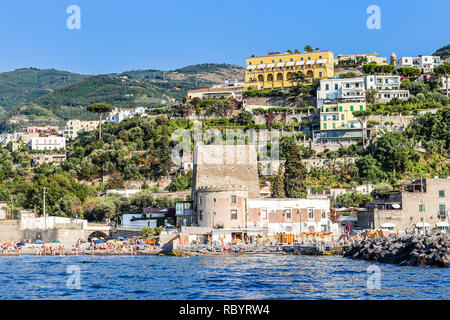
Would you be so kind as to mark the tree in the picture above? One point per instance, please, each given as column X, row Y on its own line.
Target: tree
column 244, row 118
column 409, row 72
column 394, row 151
column 295, row 173
column 443, row 71
column 277, row 187
column 308, row 48
column 362, row 117
column 100, row 109
column 369, row 169
column 301, row 92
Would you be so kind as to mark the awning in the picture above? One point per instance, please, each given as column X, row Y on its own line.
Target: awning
column 300, row 63
column 290, row 63
column 310, row 61
column 396, row 206
column 280, row 64
column 270, row 65
column 322, row 60
column 388, row 225
column 422, row 224
column 261, row 66
column 442, row 224
column 251, row 67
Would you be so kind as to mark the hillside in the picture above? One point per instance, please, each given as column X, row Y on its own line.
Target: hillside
column 148, row 88
column 24, row 85
column 443, row 52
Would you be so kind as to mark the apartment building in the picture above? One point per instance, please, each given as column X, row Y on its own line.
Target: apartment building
column 274, row 70
column 387, row 86
column 425, row 63
column 371, row 57
column 47, row 143
column 74, row 128
column 340, row 90
column 420, row 206
column 120, row 114
column 337, row 122
column 41, row 158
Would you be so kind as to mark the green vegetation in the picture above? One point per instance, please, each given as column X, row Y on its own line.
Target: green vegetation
column 443, row 52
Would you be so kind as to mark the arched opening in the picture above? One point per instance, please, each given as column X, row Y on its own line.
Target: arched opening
column 279, row 76
column 97, row 235
column 289, row 75
column 309, row 74
column 260, row 77
column 270, row 77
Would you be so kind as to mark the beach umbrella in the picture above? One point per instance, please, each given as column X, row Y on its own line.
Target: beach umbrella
column 20, row 244
column 98, row 241
column 141, row 243
column 38, row 241
column 7, row 244
column 56, row 241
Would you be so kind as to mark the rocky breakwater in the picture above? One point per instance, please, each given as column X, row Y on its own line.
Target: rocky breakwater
column 412, row 251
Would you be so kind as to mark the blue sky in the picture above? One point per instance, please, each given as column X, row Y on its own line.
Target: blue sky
column 116, row 36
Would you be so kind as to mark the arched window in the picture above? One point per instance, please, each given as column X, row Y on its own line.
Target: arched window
column 309, row 74
column 260, row 77
column 270, row 77
column 279, row 76
column 289, row 75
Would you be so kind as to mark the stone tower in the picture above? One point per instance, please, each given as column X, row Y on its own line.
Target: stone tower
column 393, row 58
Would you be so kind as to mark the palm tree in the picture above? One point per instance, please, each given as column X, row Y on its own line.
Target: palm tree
column 100, row 108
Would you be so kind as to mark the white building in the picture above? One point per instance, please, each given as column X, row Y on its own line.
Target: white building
column 47, row 143
column 123, row 192
column 137, row 221
column 424, row 63
column 382, row 82
column 371, row 57
column 75, row 127
column 340, row 90
column 387, row 95
column 120, row 114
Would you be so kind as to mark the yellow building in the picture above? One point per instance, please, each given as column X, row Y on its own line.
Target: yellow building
column 275, row 69
column 338, row 123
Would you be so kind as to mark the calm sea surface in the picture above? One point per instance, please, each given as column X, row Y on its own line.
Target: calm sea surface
column 212, row 277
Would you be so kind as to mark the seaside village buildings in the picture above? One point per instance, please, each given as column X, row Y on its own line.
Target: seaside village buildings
column 227, row 203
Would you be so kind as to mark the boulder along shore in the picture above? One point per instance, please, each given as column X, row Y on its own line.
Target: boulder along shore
column 405, row 251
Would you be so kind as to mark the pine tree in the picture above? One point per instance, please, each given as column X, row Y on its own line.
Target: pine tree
column 163, row 152
column 294, row 173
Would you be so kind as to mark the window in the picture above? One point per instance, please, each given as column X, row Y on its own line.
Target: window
column 442, row 209
column 281, row 60
column 288, row 213
column 250, row 63
column 421, row 207
column 260, row 62
column 200, row 215
column 320, row 74
column 361, row 108
column 291, row 59
column 320, row 57
column 334, row 125
column 342, row 116
column 441, row 193
column 340, row 108
column 351, row 108
column 347, row 85
column 311, row 213
column 264, row 214
column 325, row 126
column 336, row 86
column 309, row 58
column 301, row 59
column 233, row 199
column 233, row 214
column 327, row 87
column 200, row 201
column 326, row 109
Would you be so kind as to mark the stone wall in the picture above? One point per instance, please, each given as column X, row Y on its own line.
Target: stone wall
column 10, row 231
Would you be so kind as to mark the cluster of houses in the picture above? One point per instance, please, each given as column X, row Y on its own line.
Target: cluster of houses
column 337, row 96
column 48, row 143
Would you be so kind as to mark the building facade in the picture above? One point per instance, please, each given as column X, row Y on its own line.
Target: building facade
column 337, row 122
column 75, row 127
column 340, row 90
column 274, row 70
column 120, row 114
column 425, row 63
column 47, row 143
column 382, row 82
column 411, row 209
column 371, row 57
